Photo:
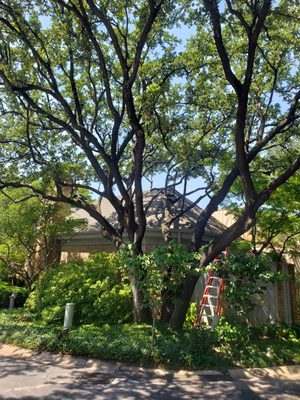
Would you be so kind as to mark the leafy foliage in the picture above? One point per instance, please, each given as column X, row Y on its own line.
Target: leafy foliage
column 277, row 223
column 166, row 266
column 246, row 277
column 258, row 347
column 29, row 227
column 228, row 346
column 94, row 286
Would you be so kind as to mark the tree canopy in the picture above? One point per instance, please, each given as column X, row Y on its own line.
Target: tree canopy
column 97, row 96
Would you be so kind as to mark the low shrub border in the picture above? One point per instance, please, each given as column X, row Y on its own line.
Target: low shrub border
column 194, row 349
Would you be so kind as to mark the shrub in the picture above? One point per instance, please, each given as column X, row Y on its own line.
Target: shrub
column 6, row 290
column 166, row 266
column 95, row 287
column 191, row 316
column 246, row 280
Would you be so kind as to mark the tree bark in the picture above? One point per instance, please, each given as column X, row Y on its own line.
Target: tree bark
column 141, row 313
column 167, row 307
column 178, row 316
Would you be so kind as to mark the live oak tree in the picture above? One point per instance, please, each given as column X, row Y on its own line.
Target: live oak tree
column 96, row 95
column 243, row 85
column 72, row 104
column 240, row 107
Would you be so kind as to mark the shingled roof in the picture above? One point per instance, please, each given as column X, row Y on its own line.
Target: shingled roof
column 155, row 203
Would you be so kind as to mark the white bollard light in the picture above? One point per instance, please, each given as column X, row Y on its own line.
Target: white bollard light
column 69, row 313
column 12, row 301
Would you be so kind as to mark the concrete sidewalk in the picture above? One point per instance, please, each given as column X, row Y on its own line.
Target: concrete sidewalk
column 28, row 375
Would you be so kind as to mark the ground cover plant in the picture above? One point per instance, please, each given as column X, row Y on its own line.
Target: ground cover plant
column 227, row 347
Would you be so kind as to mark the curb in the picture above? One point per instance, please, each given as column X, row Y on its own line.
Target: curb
column 178, row 374
column 65, row 361
column 92, row 365
column 282, row 372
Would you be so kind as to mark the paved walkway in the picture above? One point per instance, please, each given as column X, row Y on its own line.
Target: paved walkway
column 26, row 375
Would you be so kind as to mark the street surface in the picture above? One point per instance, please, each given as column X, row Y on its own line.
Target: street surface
column 42, row 378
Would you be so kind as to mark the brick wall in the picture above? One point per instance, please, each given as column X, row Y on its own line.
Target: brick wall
column 288, row 310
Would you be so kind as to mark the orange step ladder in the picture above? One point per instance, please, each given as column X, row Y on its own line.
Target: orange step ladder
column 210, row 307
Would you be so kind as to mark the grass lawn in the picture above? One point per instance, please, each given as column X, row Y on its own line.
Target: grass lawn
column 227, row 347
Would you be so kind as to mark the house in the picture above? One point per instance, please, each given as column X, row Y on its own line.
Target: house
column 280, row 299
column 89, row 239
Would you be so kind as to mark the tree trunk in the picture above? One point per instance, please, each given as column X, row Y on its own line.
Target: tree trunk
column 167, row 307
column 181, row 308
column 141, row 313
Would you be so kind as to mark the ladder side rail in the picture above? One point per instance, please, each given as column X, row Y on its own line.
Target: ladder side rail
column 204, row 299
column 220, row 300
column 206, row 295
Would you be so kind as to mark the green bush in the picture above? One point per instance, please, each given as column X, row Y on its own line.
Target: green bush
column 191, row 316
column 6, row 290
column 94, row 286
column 267, row 345
column 246, row 278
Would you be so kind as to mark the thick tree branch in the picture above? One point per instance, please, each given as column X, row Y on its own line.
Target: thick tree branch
column 247, row 218
column 109, row 230
column 212, row 7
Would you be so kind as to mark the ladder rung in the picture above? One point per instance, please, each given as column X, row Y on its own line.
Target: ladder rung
column 208, row 311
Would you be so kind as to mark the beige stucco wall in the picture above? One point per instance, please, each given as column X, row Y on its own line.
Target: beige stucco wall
column 227, row 219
